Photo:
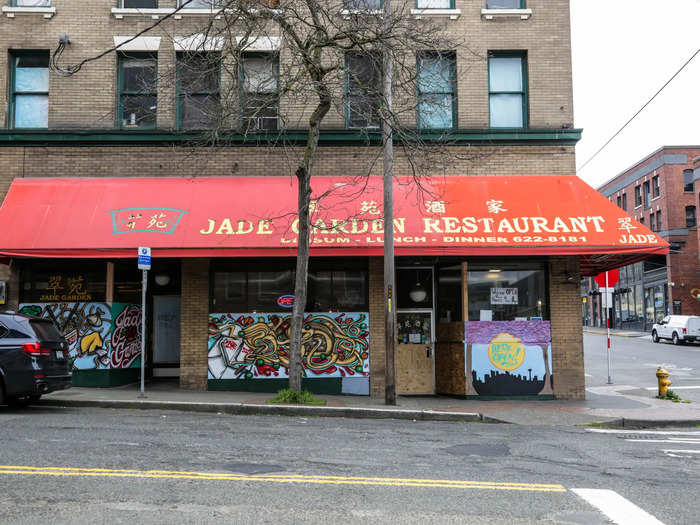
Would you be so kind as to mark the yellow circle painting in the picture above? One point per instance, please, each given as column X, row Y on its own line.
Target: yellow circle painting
column 506, row 351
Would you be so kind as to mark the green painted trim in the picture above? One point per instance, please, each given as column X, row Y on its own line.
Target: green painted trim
column 11, row 106
column 105, row 378
column 331, row 385
column 117, row 137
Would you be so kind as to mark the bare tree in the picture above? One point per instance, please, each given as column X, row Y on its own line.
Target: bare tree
column 312, row 58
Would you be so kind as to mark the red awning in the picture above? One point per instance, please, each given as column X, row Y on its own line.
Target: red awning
column 255, row 216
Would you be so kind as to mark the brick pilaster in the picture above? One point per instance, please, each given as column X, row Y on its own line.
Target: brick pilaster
column 194, row 322
column 377, row 353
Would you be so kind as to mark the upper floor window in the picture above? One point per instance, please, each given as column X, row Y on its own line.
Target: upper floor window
column 655, row 188
column 637, row 196
column 624, row 201
column 435, row 4
column 200, row 4
column 505, row 4
column 690, row 219
column 436, row 90
column 507, row 90
column 198, row 90
column 651, row 221
column 619, row 201
column 260, row 91
column 688, row 184
column 364, row 84
column 137, row 90
column 139, row 4
column 29, row 89
column 30, row 3
column 658, row 220
column 370, row 5
column 647, row 197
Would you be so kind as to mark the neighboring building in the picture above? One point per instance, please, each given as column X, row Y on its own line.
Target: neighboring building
column 94, row 165
column 660, row 192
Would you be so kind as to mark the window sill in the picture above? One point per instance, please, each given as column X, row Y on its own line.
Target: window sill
column 347, row 13
column 490, row 14
column 452, row 14
column 46, row 12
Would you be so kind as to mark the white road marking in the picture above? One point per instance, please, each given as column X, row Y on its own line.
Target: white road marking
column 686, row 441
column 653, row 432
column 615, row 507
column 680, row 453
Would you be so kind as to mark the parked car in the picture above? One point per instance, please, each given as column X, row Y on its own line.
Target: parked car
column 33, row 359
column 677, row 328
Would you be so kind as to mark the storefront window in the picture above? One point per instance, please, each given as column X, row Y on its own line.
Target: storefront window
column 449, row 294
column 66, row 282
column 237, row 289
column 512, row 293
column 414, row 287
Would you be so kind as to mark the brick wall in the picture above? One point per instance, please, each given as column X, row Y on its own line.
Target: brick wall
column 194, row 324
column 567, row 336
column 377, row 353
column 545, row 37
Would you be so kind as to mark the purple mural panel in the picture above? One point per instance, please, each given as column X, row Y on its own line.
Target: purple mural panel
column 531, row 332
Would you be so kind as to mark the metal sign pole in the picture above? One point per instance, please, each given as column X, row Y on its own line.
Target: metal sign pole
column 607, row 317
column 143, row 332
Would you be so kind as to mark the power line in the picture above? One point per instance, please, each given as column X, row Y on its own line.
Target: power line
column 640, row 110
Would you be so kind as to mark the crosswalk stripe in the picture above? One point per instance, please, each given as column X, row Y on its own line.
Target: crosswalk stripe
column 644, row 432
column 617, row 508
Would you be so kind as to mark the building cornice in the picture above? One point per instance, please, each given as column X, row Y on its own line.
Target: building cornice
column 459, row 137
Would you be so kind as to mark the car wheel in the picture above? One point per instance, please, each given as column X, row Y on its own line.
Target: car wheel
column 2, row 393
column 654, row 336
column 675, row 339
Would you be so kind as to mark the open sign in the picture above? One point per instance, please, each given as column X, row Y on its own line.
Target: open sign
column 286, row 301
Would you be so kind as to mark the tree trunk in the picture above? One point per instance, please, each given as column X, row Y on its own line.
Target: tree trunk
column 303, row 173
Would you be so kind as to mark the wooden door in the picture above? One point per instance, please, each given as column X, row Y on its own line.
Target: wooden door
column 415, row 370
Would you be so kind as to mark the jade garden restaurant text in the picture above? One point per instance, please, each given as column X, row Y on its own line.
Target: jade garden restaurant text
column 487, row 291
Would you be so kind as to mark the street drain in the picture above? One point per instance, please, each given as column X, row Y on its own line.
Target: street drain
column 485, row 449
column 252, row 468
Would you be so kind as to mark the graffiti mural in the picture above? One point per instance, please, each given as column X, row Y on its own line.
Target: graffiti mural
column 99, row 335
column 256, row 346
column 509, row 358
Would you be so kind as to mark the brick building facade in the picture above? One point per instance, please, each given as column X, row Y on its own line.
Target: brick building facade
column 80, row 126
column 660, row 192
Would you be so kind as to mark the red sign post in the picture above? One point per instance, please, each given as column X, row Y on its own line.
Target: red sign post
column 608, row 279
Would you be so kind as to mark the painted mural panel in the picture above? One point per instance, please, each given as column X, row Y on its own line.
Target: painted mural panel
column 508, row 358
column 100, row 335
column 256, row 346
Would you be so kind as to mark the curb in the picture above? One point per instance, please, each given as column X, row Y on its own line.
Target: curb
column 655, row 423
column 272, row 410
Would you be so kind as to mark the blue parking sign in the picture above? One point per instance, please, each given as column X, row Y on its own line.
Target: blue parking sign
column 144, row 258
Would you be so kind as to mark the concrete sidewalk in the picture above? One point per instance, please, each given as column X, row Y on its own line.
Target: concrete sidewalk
column 615, row 331
column 618, row 405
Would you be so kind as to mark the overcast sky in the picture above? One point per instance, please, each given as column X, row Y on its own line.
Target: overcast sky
column 623, row 51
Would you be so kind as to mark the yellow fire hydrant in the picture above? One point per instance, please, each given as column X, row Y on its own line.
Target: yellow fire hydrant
column 664, row 382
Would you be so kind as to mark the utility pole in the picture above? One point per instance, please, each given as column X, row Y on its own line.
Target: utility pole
column 389, row 273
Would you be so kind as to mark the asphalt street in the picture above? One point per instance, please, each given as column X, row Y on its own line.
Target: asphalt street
column 90, row 465
column 635, row 360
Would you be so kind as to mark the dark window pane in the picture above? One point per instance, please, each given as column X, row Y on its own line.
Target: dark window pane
column 139, row 3
column 138, row 75
column 503, row 4
column 449, row 293
column 199, row 111
column 364, row 88
column 529, row 300
column 201, row 4
column 363, row 4
column 265, row 287
column 335, row 290
column 138, row 111
column 416, row 280
column 690, row 217
column 198, row 72
column 58, row 281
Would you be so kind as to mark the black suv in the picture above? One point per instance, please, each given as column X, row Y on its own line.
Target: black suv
column 33, row 359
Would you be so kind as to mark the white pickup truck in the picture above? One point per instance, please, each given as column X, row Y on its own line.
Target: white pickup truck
column 677, row 328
